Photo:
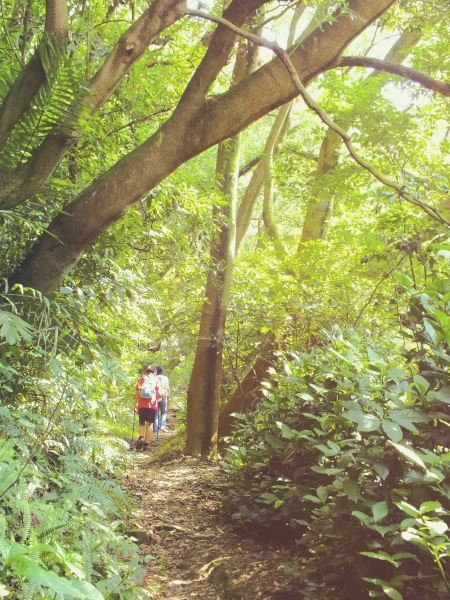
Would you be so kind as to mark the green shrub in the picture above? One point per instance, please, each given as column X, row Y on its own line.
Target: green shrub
column 348, row 452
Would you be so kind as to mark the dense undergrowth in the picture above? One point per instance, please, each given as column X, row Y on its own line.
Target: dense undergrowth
column 62, row 512
column 348, row 453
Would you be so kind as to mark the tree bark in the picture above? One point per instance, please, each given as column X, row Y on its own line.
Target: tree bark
column 203, row 392
column 244, row 396
column 206, row 376
column 193, row 127
column 22, row 183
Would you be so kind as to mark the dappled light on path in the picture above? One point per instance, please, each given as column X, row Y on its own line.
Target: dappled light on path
column 189, row 545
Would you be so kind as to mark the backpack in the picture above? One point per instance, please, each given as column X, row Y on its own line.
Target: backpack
column 148, row 388
column 162, row 385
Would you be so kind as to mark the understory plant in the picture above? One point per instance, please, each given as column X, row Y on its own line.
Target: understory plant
column 348, row 454
column 62, row 512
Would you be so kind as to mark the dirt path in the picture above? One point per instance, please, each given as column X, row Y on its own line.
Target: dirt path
column 190, row 547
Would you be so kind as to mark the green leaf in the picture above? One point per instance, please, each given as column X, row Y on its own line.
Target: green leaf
column 269, row 497
column 392, row 430
column 381, row 556
column 408, row 509
column 381, row 469
column 351, row 489
column 312, row 498
column 13, row 328
column 322, row 493
column 421, row 383
column 369, row 423
column 397, row 374
column 361, row 516
column 60, row 585
column 379, row 510
column 443, row 395
column 429, row 506
column 391, row 592
column 409, row 454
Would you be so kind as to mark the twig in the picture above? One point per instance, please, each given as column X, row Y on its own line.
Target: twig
column 312, row 104
column 376, row 288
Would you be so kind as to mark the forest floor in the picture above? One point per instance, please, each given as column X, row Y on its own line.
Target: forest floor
column 187, row 541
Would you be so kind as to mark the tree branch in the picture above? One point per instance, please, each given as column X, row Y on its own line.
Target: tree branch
column 312, row 104
column 422, row 79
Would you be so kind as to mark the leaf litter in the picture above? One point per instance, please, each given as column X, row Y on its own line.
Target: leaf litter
column 187, row 542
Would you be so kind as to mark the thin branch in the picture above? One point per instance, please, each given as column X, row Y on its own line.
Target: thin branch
column 136, row 121
column 312, row 104
column 394, row 69
column 377, row 286
column 283, row 12
column 249, row 166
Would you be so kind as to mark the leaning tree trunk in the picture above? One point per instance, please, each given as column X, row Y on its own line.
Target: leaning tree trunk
column 244, row 396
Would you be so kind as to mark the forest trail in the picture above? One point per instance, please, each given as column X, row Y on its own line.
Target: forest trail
column 190, row 547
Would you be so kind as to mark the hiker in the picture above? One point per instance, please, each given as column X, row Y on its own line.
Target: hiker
column 146, row 405
column 163, row 405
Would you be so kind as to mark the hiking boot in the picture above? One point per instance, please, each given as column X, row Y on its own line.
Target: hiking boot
column 145, row 446
column 140, row 443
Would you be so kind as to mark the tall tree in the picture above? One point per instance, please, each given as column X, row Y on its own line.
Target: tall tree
column 197, row 123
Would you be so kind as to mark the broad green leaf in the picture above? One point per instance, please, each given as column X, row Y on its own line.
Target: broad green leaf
column 429, row 506
column 409, row 453
column 391, row 592
column 421, row 383
column 312, row 498
column 286, row 431
column 381, row 469
column 361, row 516
column 322, row 493
column 379, row 510
column 397, row 374
column 392, row 430
column 381, row 530
column 443, row 395
column 381, row 556
column 351, row 489
column 408, row 509
column 269, row 497
column 369, row 423
column 437, row 527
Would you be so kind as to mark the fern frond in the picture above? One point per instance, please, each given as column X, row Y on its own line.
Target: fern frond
column 26, row 516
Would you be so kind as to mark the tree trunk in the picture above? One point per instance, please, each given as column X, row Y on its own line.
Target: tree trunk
column 245, row 394
column 204, row 385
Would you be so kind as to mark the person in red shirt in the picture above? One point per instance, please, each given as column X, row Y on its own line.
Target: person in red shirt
column 146, row 406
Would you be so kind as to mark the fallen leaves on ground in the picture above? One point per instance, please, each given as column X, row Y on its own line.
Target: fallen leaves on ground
column 186, row 540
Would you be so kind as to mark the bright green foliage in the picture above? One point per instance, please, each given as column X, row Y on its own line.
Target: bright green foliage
column 348, row 454
column 60, row 520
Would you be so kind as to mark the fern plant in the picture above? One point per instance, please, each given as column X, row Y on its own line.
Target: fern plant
column 57, row 109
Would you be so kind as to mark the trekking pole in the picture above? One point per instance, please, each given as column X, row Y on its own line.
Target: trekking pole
column 159, row 421
column 134, row 421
